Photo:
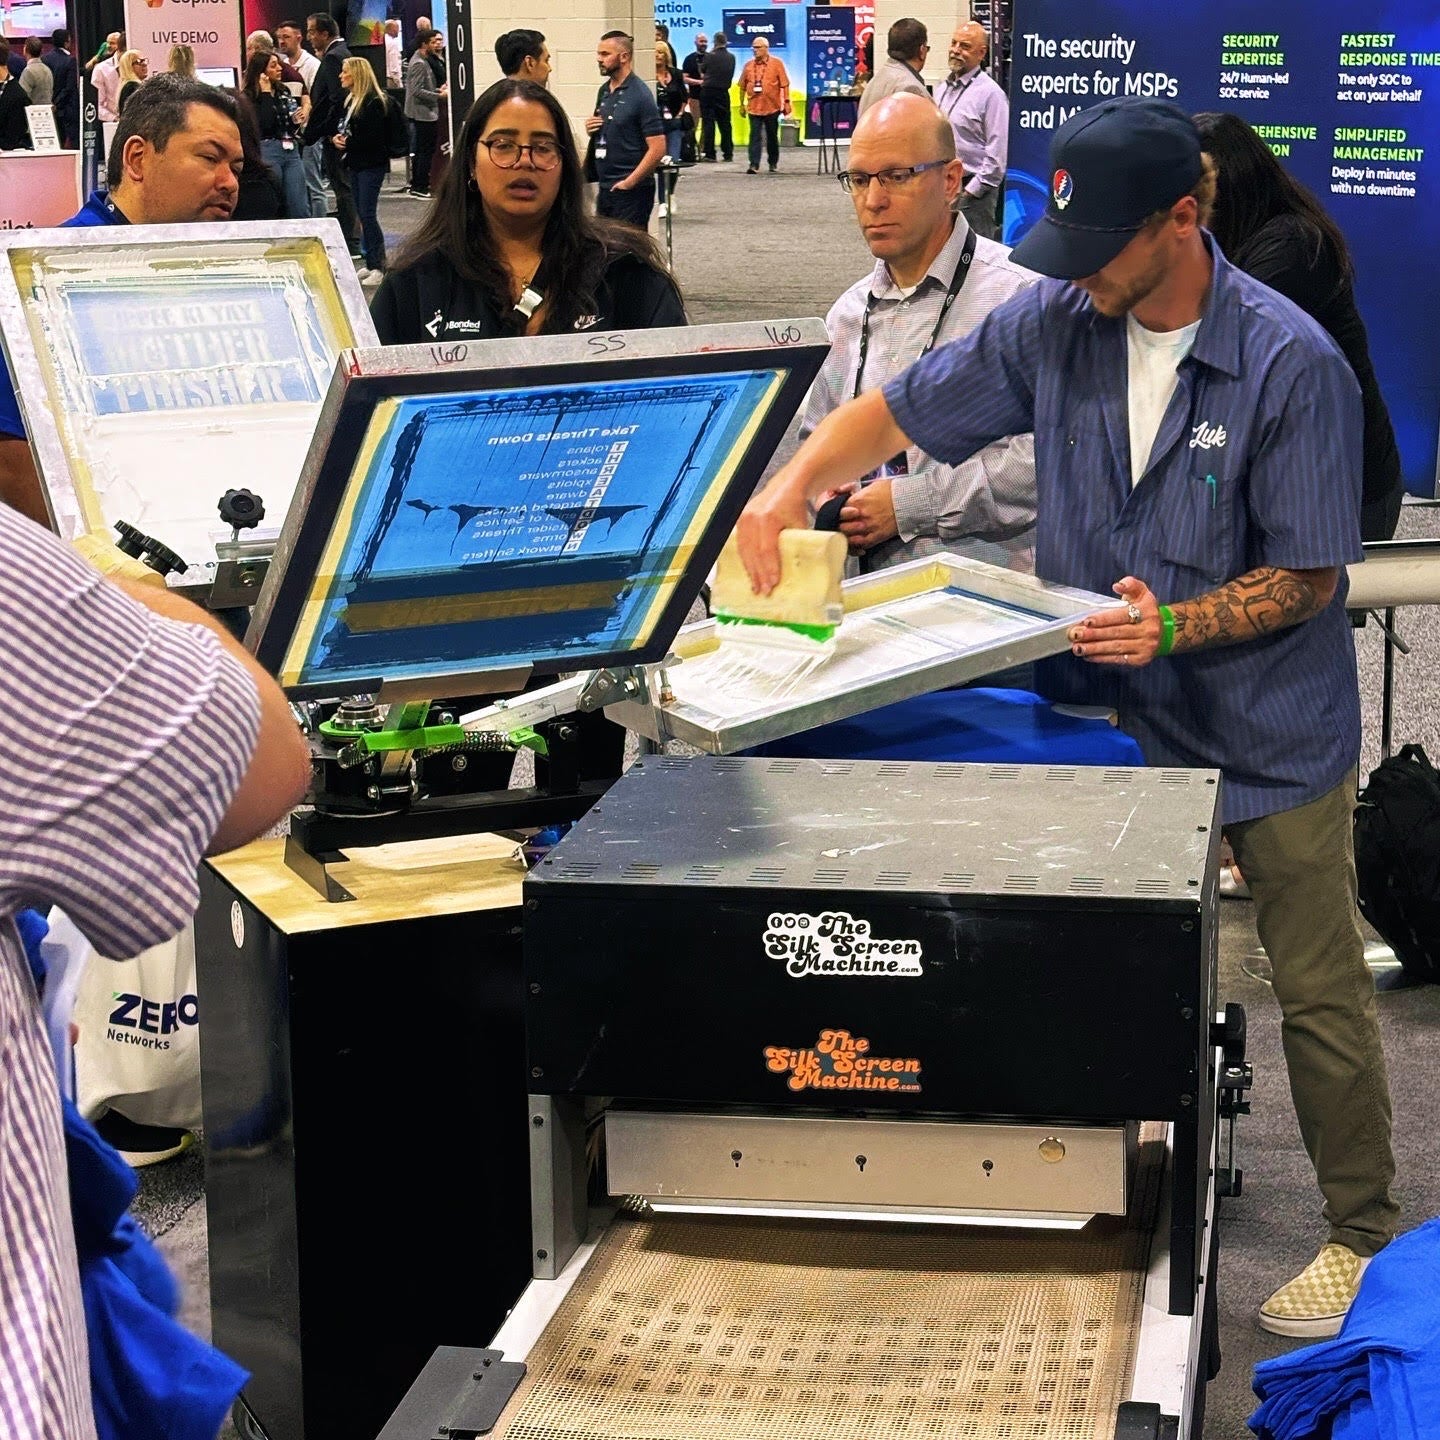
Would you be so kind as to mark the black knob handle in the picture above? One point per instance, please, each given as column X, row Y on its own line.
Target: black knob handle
column 1230, row 1033
column 163, row 559
column 131, row 542
column 241, row 508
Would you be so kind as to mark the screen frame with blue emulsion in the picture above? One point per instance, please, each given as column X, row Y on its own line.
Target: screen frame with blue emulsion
column 380, row 400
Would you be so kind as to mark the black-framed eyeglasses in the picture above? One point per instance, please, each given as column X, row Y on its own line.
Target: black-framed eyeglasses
column 891, row 179
column 504, row 152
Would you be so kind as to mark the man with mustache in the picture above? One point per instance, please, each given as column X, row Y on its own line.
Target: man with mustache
column 979, row 113
column 1198, row 453
column 176, row 160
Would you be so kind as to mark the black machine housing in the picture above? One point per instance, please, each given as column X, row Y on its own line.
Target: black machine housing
column 1014, row 942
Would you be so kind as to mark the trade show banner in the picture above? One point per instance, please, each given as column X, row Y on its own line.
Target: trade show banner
column 830, row 65
column 864, row 23
column 818, row 45
column 1352, row 113
column 90, row 22
column 210, row 27
column 38, row 188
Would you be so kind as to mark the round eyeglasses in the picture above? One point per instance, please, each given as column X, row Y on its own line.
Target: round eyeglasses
column 891, row 179
column 504, row 152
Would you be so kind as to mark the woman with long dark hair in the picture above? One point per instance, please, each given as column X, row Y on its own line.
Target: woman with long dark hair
column 277, row 117
column 509, row 246
column 261, row 195
column 1273, row 228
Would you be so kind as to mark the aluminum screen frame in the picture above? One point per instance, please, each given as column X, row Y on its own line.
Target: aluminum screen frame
column 852, row 684
column 197, row 253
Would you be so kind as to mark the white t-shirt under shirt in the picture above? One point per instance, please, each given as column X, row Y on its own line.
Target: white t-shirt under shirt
column 1154, row 358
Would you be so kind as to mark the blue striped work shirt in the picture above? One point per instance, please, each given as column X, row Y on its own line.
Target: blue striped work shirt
column 1257, row 462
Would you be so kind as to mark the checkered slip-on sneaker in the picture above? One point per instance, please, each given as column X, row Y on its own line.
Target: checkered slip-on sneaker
column 1314, row 1304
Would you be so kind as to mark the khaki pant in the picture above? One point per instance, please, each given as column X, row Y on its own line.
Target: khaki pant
column 1300, row 866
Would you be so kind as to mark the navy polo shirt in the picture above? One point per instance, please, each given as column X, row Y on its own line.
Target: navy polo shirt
column 629, row 115
column 97, row 210
column 1257, row 462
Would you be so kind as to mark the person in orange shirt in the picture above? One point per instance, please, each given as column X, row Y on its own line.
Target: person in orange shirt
column 764, row 97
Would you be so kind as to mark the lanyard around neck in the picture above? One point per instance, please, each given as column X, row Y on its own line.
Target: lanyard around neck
column 957, row 85
column 957, row 284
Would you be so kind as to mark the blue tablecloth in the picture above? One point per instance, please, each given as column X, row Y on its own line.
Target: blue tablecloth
column 1010, row 727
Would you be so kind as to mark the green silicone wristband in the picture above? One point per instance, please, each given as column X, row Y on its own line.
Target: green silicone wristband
column 1167, row 630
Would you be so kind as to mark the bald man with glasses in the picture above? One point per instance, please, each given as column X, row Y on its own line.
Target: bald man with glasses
column 934, row 280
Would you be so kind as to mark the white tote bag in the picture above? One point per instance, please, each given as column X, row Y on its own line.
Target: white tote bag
column 138, row 1049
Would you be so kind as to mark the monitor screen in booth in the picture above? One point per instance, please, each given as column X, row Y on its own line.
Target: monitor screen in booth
column 24, row 18
column 220, row 75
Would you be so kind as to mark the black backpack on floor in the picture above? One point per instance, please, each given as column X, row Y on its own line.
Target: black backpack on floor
column 1397, row 859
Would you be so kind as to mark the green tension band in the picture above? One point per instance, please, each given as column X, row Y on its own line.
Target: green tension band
column 1167, row 630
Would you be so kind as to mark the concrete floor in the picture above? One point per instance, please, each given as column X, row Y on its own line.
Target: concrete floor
column 783, row 246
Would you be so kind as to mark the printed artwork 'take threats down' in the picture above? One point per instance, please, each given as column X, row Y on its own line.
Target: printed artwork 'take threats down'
column 486, row 531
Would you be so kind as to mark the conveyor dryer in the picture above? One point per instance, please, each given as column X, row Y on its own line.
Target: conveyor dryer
column 904, row 1081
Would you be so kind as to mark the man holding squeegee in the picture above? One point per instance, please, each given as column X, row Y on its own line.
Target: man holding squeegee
column 1197, row 449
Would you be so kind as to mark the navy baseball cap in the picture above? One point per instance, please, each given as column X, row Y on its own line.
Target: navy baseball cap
column 1112, row 167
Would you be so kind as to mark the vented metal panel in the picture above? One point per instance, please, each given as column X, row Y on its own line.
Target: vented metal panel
column 1088, row 834
column 686, row 1327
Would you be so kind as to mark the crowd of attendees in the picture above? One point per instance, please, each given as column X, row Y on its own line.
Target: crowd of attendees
column 318, row 132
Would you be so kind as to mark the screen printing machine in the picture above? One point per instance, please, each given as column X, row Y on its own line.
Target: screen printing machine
column 628, row 1075
column 1012, row 1231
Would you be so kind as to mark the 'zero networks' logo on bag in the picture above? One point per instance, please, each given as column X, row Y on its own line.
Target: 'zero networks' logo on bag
column 134, row 1020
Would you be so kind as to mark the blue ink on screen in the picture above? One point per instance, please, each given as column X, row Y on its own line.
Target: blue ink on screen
column 496, row 530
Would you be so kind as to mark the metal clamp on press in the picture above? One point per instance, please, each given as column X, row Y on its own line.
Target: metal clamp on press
column 1233, row 1085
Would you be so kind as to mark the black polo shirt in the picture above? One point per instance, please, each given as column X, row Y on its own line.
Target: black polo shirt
column 717, row 69
column 629, row 115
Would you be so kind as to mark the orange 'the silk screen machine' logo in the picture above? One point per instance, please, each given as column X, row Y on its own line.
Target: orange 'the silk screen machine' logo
column 842, row 1061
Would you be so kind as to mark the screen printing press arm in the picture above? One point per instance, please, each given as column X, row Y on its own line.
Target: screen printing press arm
column 588, row 691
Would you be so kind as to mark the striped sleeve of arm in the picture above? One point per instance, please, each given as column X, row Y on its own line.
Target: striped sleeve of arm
column 123, row 739
column 975, row 390
column 1305, row 478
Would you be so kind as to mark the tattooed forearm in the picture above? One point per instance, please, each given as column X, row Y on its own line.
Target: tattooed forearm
column 1256, row 604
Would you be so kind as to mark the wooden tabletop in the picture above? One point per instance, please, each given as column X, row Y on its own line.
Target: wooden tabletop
column 389, row 882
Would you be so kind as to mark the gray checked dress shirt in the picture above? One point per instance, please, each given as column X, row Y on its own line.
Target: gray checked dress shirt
column 983, row 508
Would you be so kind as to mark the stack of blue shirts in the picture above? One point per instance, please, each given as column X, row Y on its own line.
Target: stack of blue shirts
column 1379, row 1378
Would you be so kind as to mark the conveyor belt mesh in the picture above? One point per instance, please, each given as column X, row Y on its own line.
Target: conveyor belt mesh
column 688, row 1326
